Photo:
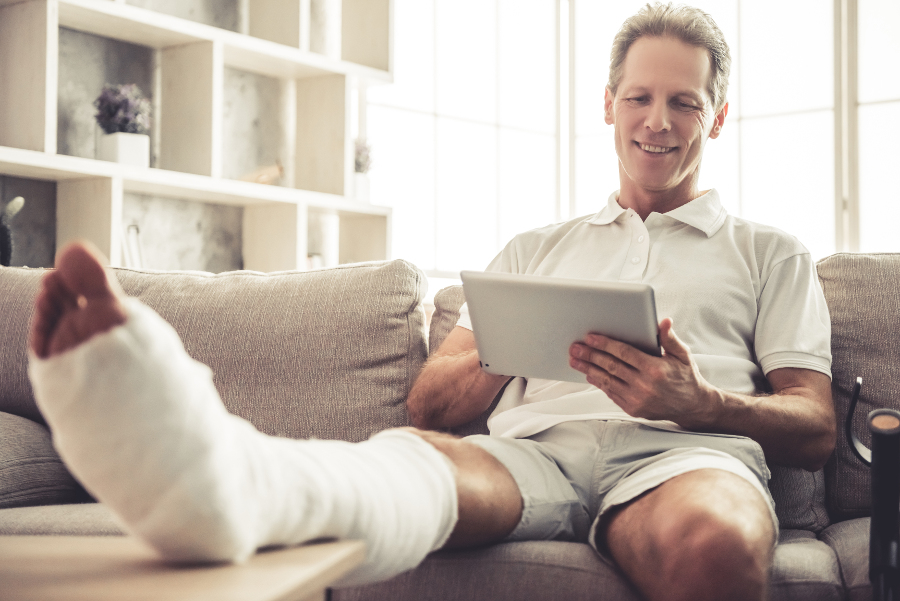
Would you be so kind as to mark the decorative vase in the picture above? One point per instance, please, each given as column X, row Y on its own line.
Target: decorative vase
column 361, row 187
column 127, row 149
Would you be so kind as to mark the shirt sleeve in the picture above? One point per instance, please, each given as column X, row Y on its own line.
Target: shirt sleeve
column 793, row 328
column 506, row 262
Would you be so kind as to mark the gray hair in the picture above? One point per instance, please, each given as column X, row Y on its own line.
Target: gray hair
column 691, row 26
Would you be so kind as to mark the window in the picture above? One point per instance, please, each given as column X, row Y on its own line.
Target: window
column 878, row 109
column 465, row 141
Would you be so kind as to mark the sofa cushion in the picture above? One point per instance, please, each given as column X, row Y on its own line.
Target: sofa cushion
column 850, row 542
column 799, row 498
column 533, row 570
column 86, row 519
column 799, row 495
column 864, row 302
column 804, row 569
column 328, row 354
column 31, row 472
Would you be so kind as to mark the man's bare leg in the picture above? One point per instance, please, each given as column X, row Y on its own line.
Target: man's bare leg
column 489, row 501
column 108, row 441
column 706, row 534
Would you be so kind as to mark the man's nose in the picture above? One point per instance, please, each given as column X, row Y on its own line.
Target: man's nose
column 658, row 118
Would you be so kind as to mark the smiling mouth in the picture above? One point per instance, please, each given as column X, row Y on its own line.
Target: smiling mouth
column 656, row 149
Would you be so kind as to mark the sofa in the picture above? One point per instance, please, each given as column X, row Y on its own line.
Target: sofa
column 333, row 353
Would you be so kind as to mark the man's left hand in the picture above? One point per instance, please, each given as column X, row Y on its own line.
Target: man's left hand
column 668, row 387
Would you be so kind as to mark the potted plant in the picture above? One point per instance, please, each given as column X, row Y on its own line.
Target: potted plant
column 124, row 115
column 361, row 167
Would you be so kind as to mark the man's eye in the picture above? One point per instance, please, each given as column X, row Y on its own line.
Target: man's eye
column 638, row 99
column 685, row 106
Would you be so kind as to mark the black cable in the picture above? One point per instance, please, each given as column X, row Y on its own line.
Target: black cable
column 859, row 449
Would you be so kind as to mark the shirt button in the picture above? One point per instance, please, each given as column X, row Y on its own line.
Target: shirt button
column 640, row 238
column 636, row 260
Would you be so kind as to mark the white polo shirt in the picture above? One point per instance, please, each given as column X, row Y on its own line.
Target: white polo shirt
column 745, row 297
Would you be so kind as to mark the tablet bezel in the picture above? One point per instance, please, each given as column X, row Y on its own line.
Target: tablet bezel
column 525, row 324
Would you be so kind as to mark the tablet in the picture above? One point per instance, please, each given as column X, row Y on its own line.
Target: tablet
column 525, row 324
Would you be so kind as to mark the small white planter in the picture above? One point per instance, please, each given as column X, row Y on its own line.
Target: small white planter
column 127, row 149
column 361, row 187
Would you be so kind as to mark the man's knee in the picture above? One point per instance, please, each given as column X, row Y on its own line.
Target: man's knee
column 708, row 555
column 705, row 539
column 709, row 536
column 490, row 504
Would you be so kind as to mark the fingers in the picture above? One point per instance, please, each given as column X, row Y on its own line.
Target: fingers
column 620, row 391
column 671, row 343
column 602, row 369
column 624, row 353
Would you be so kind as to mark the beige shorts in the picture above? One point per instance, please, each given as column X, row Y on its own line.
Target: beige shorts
column 572, row 473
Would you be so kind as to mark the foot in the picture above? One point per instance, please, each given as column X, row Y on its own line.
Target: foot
column 76, row 301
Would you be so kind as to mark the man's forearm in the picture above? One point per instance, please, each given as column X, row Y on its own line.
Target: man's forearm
column 792, row 428
column 795, row 426
column 452, row 390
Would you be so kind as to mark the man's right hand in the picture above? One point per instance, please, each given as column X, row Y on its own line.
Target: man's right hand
column 452, row 389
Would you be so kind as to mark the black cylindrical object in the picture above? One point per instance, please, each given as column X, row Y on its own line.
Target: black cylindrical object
column 884, row 536
column 5, row 243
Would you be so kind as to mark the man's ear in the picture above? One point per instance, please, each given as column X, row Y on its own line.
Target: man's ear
column 608, row 98
column 718, row 122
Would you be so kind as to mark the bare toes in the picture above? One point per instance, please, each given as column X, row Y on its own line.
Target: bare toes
column 76, row 301
column 53, row 300
column 81, row 269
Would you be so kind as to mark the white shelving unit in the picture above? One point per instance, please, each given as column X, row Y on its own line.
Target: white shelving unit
column 193, row 59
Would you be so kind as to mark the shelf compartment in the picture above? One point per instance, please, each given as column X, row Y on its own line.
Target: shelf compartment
column 157, row 30
column 367, row 33
column 324, row 156
column 91, row 208
column 191, row 131
column 29, row 47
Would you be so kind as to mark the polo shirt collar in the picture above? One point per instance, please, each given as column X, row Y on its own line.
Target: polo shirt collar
column 610, row 212
column 704, row 213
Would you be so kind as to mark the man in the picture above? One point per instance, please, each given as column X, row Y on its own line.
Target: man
column 684, row 515
column 651, row 461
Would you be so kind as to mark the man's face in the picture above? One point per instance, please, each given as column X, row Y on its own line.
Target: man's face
column 663, row 115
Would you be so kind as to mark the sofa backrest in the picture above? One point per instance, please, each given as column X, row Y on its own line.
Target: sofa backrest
column 329, row 354
column 863, row 294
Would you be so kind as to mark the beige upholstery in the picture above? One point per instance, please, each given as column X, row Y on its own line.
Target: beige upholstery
column 31, row 473
column 863, row 294
column 329, row 353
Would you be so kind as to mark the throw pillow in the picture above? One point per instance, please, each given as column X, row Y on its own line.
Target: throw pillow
column 31, row 472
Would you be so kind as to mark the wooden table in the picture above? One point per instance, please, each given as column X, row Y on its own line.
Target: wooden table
column 122, row 568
